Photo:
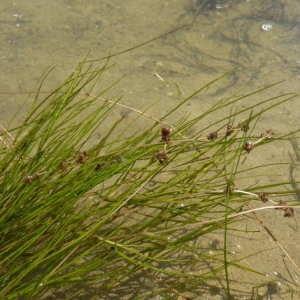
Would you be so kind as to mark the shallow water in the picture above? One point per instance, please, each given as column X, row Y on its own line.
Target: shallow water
column 260, row 38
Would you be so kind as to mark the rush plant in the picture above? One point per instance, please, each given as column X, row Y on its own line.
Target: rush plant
column 125, row 214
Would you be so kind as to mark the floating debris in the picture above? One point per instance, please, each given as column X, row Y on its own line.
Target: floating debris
column 266, row 27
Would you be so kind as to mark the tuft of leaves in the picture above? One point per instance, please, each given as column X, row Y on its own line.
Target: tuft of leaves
column 79, row 213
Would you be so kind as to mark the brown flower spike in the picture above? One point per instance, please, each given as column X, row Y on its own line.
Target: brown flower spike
column 288, row 211
column 162, row 156
column 212, row 136
column 82, row 157
column 248, row 147
column 165, row 134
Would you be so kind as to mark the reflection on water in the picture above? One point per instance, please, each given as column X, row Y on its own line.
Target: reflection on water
column 229, row 34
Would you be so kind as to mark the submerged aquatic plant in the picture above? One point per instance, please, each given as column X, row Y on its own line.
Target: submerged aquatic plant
column 125, row 214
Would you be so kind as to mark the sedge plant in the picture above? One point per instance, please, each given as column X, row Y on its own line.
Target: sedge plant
column 123, row 216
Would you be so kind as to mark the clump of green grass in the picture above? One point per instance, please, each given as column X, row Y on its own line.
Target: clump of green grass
column 78, row 214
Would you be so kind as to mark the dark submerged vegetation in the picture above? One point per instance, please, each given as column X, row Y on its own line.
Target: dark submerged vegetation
column 82, row 216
